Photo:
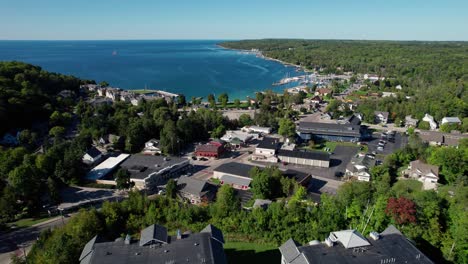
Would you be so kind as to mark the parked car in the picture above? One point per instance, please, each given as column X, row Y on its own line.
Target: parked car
column 380, row 148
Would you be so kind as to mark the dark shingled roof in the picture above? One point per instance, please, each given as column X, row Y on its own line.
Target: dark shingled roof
column 93, row 152
column 268, row 143
column 299, row 176
column 235, row 168
column 391, row 247
column 141, row 166
column 153, row 234
column 202, row 247
column 331, row 129
column 214, row 231
column 192, row 186
column 311, row 155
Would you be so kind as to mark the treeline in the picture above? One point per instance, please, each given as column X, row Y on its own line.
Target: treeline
column 432, row 73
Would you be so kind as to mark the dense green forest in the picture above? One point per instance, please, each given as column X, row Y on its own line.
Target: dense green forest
column 433, row 74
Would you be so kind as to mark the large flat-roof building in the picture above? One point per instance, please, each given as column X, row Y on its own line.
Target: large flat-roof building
column 235, row 174
column 148, row 172
column 157, row 247
column 309, row 158
column 350, row 246
column 330, row 131
column 105, row 167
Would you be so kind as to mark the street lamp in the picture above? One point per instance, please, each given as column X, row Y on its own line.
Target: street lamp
column 61, row 214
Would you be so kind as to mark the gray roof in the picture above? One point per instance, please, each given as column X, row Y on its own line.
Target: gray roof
column 214, row 231
column 330, row 129
column 203, row 247
column 235, row 168
column 153, row 234
column 141, row 166
column 192, row 186
column 384, row 114
column 391, row 247
column 261, row 203
column 349, row 238
column 229, row 179
column 299, row 176
column 93, row 152
column 89, row 247
column 290, row 250
column 268, row 143
column 311, row 155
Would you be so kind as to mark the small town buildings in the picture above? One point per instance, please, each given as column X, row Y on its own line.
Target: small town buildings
column 148, row 172
column 266, row 150
column 156, row 246
column 388, row 94
column 410, row 122
column 428, row 118
column 211, row 150
column 359, row 167
column 315, row 100
column 438, row 138
column 451, row 120
column 92, row 156
column 105, row 167
column 350, row 246
column 322, row 92
column 309, row 158
column 152, row 147
column 398, row 87
column 235, row 174
column 330, row 131
column 237, row 137
column 381, row 117
column 425, row 173
column 194, row 190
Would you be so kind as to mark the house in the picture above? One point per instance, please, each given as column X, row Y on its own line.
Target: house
column 425, row 173
column 266, row 150
column 158, row 247
column 451, row 120
column 209, row 150
column 330, row 131
column 152, row 147
column 309, row 158
column 438, row 138
column 149, row 172
column 359, row 167
column 108, row 139
column 398, row 87
column 351, row 247
column 316, row 100
column 92, row 156
column 428, row 118
column 322, row 92
column 194, row 190
column 235, row 174
column 101, row 91
column 388, row 94
column 373, row 77
column 411, row 122
column 381, row 117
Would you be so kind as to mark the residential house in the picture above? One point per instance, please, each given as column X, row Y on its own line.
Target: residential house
column 309, row 158
column 425, row 173
column 266, row 150
column 322, row 92
column 398, row 87
column 411, row 122
column 152, row 147
column 316, row 100
column 388, row 94
column 149, row 172
column 451, row 120
column 101, row 91
column 381, row 117
column 428, row 118
column 156, row 246
column 350, row 246
column 438, row 138
column 257, row 129
column 92, row 156
column 235, row 174
column 194, row 190
column 330, row 131
column 359, row 167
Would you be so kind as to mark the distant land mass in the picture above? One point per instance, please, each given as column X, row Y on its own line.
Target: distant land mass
column 194, row 68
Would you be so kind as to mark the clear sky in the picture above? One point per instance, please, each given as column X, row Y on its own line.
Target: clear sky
column 234, row 19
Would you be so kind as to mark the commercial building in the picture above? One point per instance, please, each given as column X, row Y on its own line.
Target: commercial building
column 105, row 167
column 209, row 150
column 266, row 150
column 149, row 172
column 330, row 131
column 350, row 246
column 310, row 158
column 157, row 247
column 235, row 174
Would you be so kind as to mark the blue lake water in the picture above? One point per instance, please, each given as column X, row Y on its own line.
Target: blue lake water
column 194, row 68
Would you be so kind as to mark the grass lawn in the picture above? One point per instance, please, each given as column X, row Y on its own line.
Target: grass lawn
column 27, row 222
column 249, row 252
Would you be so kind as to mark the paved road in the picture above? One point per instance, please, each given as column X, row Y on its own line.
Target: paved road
column 17, row 241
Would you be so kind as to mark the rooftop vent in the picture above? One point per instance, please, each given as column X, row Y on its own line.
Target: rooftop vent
column 374, row 235
column 314, row 243
column 329, row 242
column 195, row 244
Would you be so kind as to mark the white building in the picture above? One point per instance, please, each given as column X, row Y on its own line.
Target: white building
column 425, row 173
column 428, row 118
column 451, row 120
column 92, row 156
column 152, row 147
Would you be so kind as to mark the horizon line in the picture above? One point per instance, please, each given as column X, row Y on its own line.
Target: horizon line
column 228, row 39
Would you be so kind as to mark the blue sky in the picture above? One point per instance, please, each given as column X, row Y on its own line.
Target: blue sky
column 233, row 19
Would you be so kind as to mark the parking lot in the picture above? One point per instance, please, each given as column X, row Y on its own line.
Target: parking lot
column 400, row 142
